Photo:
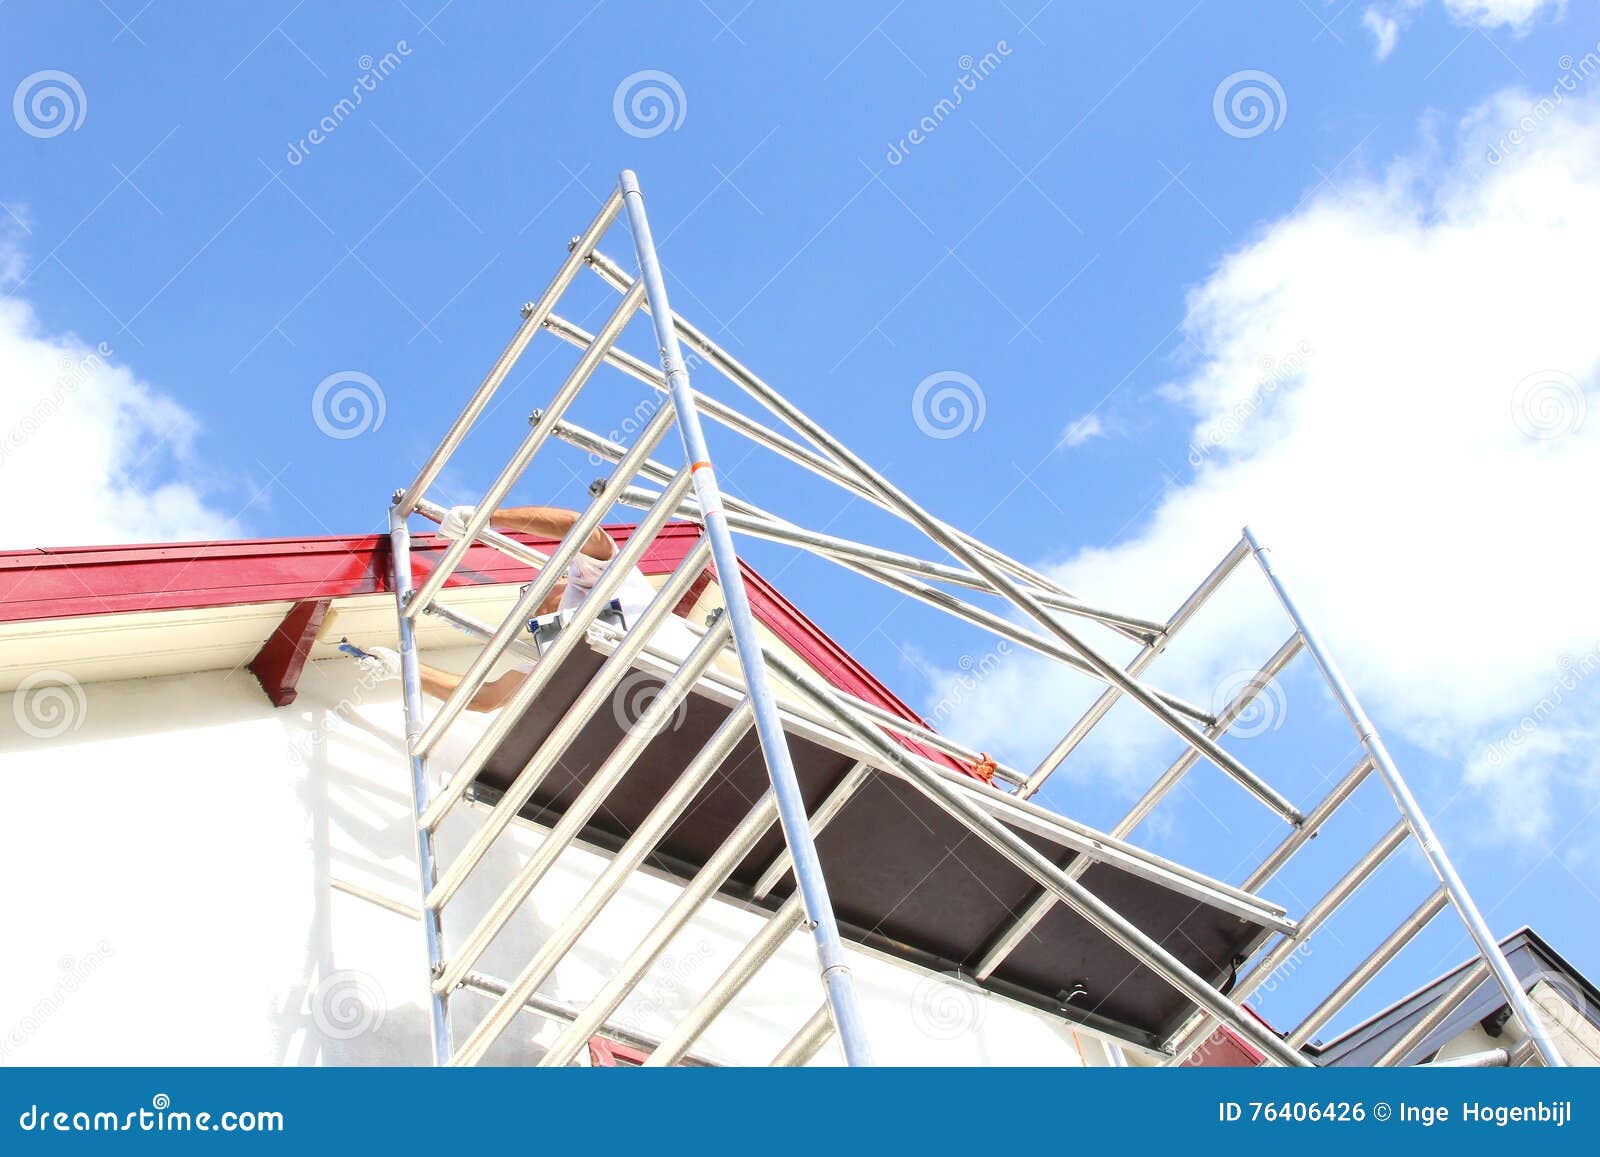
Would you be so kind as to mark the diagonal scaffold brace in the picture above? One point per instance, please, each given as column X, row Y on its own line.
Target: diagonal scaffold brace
column 792, row 816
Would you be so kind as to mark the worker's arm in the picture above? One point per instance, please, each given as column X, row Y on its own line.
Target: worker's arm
column 490, row 697
column 383, row 663
column 544, row 521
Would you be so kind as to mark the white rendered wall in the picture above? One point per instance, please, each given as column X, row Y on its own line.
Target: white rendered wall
column 172, row 858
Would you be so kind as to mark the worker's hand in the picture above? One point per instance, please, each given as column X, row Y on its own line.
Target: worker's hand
column 380, row 665
column 455, row 521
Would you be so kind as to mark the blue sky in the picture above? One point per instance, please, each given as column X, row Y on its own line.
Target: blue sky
column 1350, row 315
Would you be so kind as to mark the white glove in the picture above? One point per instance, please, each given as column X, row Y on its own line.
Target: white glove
column 381, row 664
column 455, row 521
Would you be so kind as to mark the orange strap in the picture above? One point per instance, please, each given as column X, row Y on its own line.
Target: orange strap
column 985, row 767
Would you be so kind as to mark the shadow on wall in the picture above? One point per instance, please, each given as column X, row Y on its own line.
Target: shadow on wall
column 361, row 1000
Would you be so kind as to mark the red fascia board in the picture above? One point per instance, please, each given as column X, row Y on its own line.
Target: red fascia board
column 57, row 583
column 68, row 583
column 829, row 659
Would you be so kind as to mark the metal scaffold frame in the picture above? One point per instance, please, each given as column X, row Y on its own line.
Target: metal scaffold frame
column 994, row 814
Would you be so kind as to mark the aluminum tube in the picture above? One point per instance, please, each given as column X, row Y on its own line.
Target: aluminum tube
column 580, row 811
column 530, row 446
column 568, row 640
column 1180, row 767
column 741, row 376
column 1191, row 1035
column 979, row 560
column 826, row 810
column 489, row 985
column 1514, row 1057
column 480, row 631
column 1363, row 973
column 813, row 885
column 805, row 1043
column 1438, row 858
column 1008, row 941
column 1306, row 832
column 1442, row 1010
column 617, row 872
column 751, row 519
column 1028, row 859
column 516, row 621
column 532, row 318
column 427, row 865
column 761, row 948
column 1032, row 818
column 504, row 543
column 756, row 823
column 1136, row 667
column 746, row 516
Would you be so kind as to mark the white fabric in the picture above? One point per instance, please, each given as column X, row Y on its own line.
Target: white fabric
column 381, row 664
column 634, row 594
column 455, row 521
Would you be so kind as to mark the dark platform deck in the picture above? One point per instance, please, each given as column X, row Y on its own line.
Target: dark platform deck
column 904, row 876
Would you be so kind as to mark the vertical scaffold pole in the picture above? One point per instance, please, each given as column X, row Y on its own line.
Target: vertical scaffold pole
column 1438, row 858
column 774, row 745
column 411, row 693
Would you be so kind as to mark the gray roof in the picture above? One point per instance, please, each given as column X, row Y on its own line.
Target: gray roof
column 1531, row 958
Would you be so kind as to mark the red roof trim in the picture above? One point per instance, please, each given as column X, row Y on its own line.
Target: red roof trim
column 81, row 581
column 53, row 584
column 828, row 658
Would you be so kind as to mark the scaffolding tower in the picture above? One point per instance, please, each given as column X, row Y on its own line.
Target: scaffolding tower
column 1052, row 855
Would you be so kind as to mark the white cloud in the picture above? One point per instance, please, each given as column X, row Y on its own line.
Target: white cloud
column 1080, row 430
column 1427, row 473
column 1515, row 14
column 1384, row 20
column 1385, row 29
column 87, row 450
